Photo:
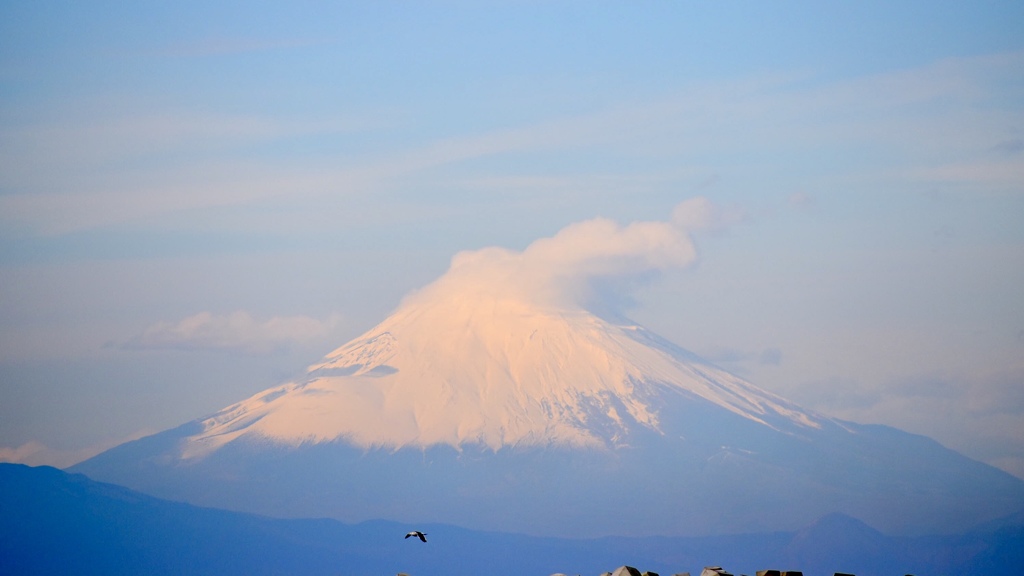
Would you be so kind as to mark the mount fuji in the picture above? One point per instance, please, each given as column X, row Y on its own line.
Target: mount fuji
column 497, row 398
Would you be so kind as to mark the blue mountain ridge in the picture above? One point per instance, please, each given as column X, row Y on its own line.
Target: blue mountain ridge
column 53, row 522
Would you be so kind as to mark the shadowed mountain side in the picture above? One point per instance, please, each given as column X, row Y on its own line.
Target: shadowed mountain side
column 744, row 477
column 52, row 522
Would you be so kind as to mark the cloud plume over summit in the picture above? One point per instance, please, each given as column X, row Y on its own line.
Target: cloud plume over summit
column 590, row 264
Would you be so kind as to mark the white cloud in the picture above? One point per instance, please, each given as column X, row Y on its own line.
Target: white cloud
column 588, row 264
column 238, row 332
column 701, row 215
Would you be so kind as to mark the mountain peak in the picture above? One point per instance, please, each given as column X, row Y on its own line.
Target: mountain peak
column 493, row 371
column 516, row 406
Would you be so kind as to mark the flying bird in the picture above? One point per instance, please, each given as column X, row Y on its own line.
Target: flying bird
column 422, row 536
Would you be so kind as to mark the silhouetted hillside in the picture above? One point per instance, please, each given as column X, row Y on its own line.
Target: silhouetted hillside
column 52, row 522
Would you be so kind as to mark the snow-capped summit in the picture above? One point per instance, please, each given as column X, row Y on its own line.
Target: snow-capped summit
column 503, row 350
column 457, row 370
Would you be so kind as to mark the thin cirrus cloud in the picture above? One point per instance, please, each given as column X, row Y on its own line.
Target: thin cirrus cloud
column 217, row 46
column 988, row 409
column 83, row 144
column 100, row 182
column 235, row 332
column 35, row 453
column 956, row 118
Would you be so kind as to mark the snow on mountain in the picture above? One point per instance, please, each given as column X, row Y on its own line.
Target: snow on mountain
column 453, row 370
column 502, row 350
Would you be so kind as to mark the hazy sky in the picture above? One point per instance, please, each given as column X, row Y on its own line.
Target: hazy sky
column 198, row 201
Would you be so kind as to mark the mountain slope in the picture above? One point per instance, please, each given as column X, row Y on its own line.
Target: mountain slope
column 57, row 523
column 494, row 373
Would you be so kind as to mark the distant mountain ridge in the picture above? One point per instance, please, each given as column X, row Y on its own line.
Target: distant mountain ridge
column 52, row 522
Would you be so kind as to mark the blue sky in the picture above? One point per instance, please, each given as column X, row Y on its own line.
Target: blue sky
column 197, row 201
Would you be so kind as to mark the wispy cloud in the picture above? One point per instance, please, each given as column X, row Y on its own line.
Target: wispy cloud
column 1010, row 147
column 702, row 215
column 221, row 45
column 741, row 361
column 35, row 453
column 935, row 123
column 801, row 200
column 235, row 332
column 978, row 415
column 84, row 174
column 1000, row 174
